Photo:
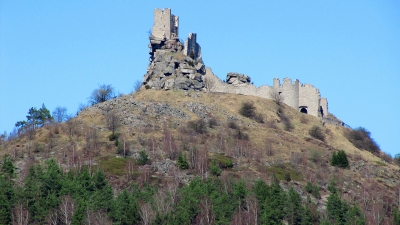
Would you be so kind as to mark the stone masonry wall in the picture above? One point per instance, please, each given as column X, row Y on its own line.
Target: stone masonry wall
column 294, row 95
column 165, row 24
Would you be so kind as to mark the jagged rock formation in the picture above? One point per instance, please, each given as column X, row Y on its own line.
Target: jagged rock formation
column 237, row 78
column 172, row 64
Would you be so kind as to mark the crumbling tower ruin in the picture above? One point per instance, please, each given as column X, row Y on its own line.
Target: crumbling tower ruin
column 166, row 25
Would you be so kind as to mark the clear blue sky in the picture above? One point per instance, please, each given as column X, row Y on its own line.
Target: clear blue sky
column 57, row 52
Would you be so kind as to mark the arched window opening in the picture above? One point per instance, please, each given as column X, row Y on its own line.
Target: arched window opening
column 303, row 109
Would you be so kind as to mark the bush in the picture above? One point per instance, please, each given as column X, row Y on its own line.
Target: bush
column 143, row 158
column 113, row 137
column 214, row 168
column 339, row 159
column 313, row 190
column 247, row 109
column 222, row 160
column 182, row 163
column 212, row 122
column 233, row 125
column 309, row 187
column 241, row 135
column 361, row 138
column 101, row 94
column 199, row 126
column 316, row 132
column 285, row 119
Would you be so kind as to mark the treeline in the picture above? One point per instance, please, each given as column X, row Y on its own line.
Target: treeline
column 47, row 195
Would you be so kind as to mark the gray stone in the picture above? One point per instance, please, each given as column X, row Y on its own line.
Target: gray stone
column 187, row 71
column 182, row 83
column 169, row 84
column 197, row 85
column 236, row 78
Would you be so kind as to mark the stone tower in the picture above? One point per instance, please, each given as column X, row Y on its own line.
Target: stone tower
column 165, row 24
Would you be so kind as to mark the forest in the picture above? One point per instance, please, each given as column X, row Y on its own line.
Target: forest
column 49, row 195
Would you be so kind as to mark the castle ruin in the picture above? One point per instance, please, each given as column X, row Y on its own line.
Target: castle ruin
column 176, row 65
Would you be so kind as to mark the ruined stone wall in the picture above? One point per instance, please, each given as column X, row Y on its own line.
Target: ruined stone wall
column 324, row 105
column 310, row 97
column 165, row 24
column 294, row 95
column 192, row 46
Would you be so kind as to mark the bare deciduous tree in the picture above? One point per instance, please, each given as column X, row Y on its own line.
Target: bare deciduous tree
column 277, row 96
column 147, row 214
column 20, row 215
column 101, row 94
column 112, row 121
column 60, row 114
column 137, row 86
column 67, row 209
column 169, row 144
column 71, row 128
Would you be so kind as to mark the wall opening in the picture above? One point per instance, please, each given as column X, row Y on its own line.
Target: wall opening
column 303, row 109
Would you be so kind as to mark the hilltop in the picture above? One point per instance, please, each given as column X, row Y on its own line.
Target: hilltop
column 187, row 147
column 208, row 128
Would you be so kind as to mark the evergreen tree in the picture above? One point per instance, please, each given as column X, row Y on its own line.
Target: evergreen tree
column 396, row 216
column 340, row 159
column 294, row 209
column 273, row 212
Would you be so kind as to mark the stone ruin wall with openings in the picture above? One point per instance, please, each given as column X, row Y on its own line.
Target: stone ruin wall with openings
column 295, row 94
column 165, row 24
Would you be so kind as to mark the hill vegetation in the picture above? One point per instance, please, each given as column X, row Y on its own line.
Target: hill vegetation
column 175, row 157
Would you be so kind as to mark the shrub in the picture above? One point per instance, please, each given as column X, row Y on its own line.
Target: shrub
column 212, row 122
column 147, row 86
column 361, row 138
column 339, row 159
column 313, row 190
column 199, row 126
column 285, row 120
column 315, row 156
column 182, row 163
column 233, row 125
column 241, row 135
column 316, row 132
column 101, row 94
column 222, row 160
column 247, row 109
column 259, row 118
column 309, row 187
column 143, row 158
column 287, row 177
column 271, row 124
column 113, row 137
column 214, row 168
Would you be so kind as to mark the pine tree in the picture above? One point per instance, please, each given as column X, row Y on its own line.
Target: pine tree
column 294, row 209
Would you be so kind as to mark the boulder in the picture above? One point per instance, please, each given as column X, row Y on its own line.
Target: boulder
column 182, row 83
column 237, row 78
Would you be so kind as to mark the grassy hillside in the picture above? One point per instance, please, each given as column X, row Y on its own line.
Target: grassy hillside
column 207, row 131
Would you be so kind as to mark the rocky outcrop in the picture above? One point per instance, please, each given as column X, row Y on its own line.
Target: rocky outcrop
column 170, row 68
column 237, row 78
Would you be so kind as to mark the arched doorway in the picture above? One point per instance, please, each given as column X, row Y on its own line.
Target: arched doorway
column 303, row 109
